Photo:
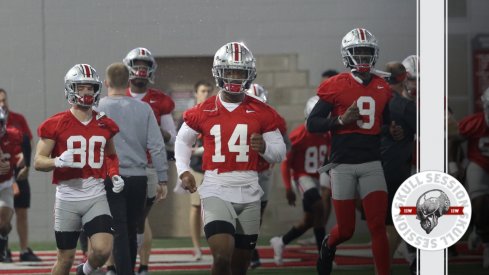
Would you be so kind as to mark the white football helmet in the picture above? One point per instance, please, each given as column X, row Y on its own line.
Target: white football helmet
column 141, row 71
column 411, row 65
column 82, row 74
column 233, row 56
column 258, row 91
column 3, row 122
column 359, row 50
column 311, row 102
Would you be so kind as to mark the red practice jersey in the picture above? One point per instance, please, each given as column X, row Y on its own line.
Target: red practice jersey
column 159, row 102
column 226, row 135
column 263, row 165
column 18, row 121
column 307, row 154
column 10, row 145
column 476, row 131
column 88, row 142
column 342, row 90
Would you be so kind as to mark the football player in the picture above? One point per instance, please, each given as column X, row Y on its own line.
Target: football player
column 142, row 69
column 303, row 160
column 10, row 158
column 353, row 107
column 474, row 129
column 265, row 168
column 77, row 145
column 236, row 130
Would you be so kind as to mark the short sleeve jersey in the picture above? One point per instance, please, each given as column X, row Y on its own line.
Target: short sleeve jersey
column 18, row 121
column 226, row 135
column 474, row 128
column 88, row 142
column 308, row 152
column 10, row 145
column 160, row 103
column 342, row 90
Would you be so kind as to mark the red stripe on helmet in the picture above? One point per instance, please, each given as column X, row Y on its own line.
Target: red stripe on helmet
column 143, row 52
column 236, row 52
column 87, row 71
column 362, row 34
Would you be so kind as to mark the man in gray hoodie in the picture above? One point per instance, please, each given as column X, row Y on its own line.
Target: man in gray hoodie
column 139, row 134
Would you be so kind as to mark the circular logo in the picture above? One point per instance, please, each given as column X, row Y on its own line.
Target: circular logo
column 431, row 210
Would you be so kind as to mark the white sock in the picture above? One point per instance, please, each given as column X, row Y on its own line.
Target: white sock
column 87, row 268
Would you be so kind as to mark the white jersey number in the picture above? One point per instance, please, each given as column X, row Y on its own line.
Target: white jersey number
column 82, row 150
column 368, row 110
column 236, row 143
column 314, row 158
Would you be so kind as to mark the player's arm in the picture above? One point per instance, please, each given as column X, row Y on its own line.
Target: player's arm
column 319, row 120
column 285, row 168
column 42, row 160
column 185, row 139
column 156, row 147
column 270, row 145
column 168, row 129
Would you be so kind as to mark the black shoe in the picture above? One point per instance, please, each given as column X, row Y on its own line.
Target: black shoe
column 255, row 259
column 29, row 256
column 324, row 263
column 8, row 257
column 79, row 270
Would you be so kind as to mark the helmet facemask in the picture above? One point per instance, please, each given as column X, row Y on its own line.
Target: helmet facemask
column 361, row 59
column 82, row 74
column 87, row 100
column 141, row 65
column 233, row 80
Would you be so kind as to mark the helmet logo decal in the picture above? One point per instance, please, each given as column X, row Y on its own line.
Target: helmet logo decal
column 237, row 52
column 362, row 34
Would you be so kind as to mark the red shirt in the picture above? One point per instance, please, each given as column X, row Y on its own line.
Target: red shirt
column 307, row 154
column 10, row 145
column 342, row 90
column 159, row 102
column 18, row 121
column 88, row 141
column 476, row 131
column 226, row 135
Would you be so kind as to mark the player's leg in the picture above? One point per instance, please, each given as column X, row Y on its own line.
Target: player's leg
column 343, row 188
column 98, row 226
column 265, row 182
column 22, row 202
column 478, row 185
column 67, row 227
column 6, row 213
column 325, row 187
column 195, row 219
column 144, row 233
column 247, row 229
column 219, row 219
column 373, row 192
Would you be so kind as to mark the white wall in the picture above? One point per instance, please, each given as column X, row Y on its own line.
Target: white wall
column 41, row 40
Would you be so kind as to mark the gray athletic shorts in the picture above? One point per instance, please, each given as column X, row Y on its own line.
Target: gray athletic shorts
column 348, row 180
column 477, row 180
column 7, row 197
column 265, row 181
column 152, row 182
column 245, row 217
column 70, row 216
column 306, row 183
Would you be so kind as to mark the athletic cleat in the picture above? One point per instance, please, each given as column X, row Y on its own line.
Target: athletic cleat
column 79, row 270
column 29, row 256
column 324, row 264
column 278, row 249
column 255, row 259
column 197, row 254
column 8, row 257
